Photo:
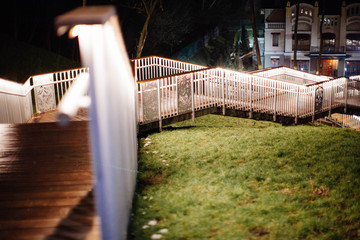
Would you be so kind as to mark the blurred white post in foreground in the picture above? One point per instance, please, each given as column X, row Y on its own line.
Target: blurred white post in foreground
column 112, row 111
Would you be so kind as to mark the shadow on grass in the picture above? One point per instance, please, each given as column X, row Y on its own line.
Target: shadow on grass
column 171, row 128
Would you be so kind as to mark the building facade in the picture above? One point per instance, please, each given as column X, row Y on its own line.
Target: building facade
column 340, row 34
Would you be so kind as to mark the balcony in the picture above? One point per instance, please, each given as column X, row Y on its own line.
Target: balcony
column 329, row 52
column 302, row 47
column 352, row 48
column 274, row 25
column 328, row 49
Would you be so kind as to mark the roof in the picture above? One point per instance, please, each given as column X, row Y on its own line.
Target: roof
column 277, row 15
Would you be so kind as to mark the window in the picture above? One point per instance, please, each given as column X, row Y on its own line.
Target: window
column 275, row 62
column 303, row 42
column 303, row 65
column 275, row 39
column 353, row 42
column 352, row 68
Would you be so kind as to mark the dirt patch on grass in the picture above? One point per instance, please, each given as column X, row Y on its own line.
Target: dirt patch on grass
column 245, row 202
column 213, row 233
column 153, row 180
column 259, row 232
column 240, row 162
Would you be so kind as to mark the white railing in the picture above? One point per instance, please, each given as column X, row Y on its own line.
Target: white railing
column 355, row 78
column 15, row 102
column 46, row 90
column 348, row 121
column 216, row 87
column 156, row 67
column 278, row 91
column 275, row 25
column 291, row 75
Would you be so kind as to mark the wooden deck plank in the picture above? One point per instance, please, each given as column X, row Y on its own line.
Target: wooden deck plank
column 46, row 185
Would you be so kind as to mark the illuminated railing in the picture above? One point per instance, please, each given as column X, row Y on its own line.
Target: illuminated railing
column 46, row 89
column 348, row 121
column 291, row 75
column 156, row 67
column 355, row 78
column 15, row 102
column 216, row 87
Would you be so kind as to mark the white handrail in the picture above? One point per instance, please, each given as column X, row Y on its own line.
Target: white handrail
column 74, row 99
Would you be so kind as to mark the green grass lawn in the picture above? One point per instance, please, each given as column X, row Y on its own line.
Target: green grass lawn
column 232, row 178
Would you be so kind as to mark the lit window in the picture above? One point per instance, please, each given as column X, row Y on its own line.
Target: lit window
column 292, row 14
column 302, row 10
column 310, row 13
column 306, row 12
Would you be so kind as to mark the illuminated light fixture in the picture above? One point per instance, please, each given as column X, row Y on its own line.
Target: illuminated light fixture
column 112, row 111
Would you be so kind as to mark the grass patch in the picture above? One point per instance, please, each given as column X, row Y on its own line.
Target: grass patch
column 232, row 178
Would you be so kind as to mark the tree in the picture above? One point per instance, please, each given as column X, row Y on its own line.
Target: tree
column 149, row 7
column 256, row 44
column 244, row 48
column 244, row 44
column 295, row 34
column 168, row 29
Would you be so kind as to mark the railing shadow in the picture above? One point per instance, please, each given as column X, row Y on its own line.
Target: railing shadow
column 79, row 222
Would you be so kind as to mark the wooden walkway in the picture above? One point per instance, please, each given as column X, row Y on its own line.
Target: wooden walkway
column 46, row 186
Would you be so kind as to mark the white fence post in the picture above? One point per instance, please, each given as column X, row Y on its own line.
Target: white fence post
column 192, row 98
column 297, row 105
column 251, row 110
column 275, row 99
column 331, row 96
column 345, row 94
column 222, row 74
column 314, row 105
column 159, row 104
column 113, row 115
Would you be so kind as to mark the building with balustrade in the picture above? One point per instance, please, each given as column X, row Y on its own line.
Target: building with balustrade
column 340, row 34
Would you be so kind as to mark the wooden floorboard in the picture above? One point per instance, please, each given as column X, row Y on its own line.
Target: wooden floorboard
column 46, row 185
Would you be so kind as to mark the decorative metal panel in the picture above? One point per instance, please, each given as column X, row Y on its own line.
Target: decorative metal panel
column 319, row 96
column 150, row 101
column 184, row 93
column 44, row 95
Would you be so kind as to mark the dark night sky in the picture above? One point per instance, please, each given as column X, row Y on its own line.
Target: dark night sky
column 32, row 21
